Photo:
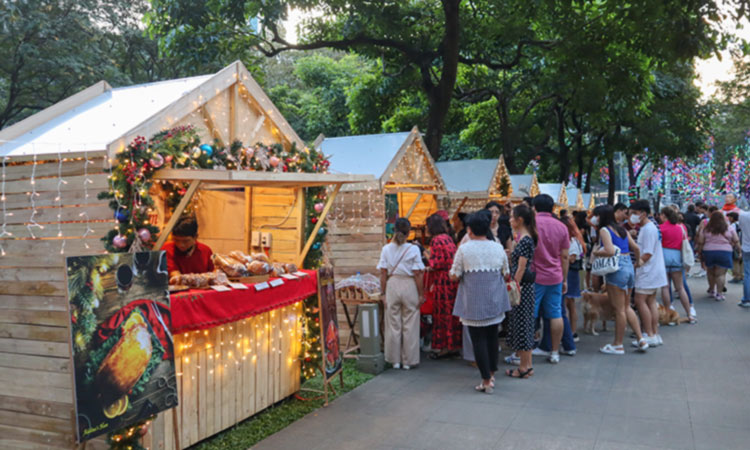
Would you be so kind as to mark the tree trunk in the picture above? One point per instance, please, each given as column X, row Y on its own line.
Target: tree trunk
column 440, row 96
column 589, row 172
column 506, row 140
column 579, row 143
column 564, row 150
column 611, row 184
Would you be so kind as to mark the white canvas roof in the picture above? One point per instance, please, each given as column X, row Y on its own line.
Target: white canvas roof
column 363, row 155
column 551, row 189
column 92, row 125
column 572, row 196
column 471, row 175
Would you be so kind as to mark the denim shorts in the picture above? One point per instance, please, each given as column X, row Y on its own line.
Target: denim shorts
column 550, row 299
column 673, row 260
column 717, row 258
column 624, row 278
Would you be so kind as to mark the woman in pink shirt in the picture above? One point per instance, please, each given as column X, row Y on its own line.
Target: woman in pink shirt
column 715, row 244
column 672, row 235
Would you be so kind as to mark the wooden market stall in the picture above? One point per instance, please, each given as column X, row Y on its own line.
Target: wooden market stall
column 558, row 193
column 472, row 183
column 407, row 184
column 589, row 201
column 523, row 186
column 575, row 198
column 53, row 166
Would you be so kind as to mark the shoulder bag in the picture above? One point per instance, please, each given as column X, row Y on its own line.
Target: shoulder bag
column 604, row 265
column 514, row 292
column 688, row 256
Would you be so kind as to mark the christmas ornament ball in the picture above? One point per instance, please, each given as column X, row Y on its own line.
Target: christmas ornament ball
column 314, row 220
column 156, row 161
column 274, row 161
column 207, row 149
column 119, row 241
column 316, row 246
column 196, row 153
column 322, row 231
column 121, row 215
column 319, row 207
column 144, row 234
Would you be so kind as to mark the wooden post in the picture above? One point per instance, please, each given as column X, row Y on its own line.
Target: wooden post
column 177, row 213
column 248, row 219
column 321, row 218
column 232, row 113
column 413, row 206
column 176, row 429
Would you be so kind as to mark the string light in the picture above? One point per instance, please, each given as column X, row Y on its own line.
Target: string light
column 86, row 182
column 32, row 196
column 4, row 233
column 58, row 199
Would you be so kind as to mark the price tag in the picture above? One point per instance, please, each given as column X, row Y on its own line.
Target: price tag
column 262, row 286
column 276, row 282
column 299, row 273
column 220, row 288
column 238, row 286
column 289, row 276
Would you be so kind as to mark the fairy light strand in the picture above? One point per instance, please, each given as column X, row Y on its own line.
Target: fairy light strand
column 4, row 233
column 86, row 182
column 58, row 199
column 32, row 198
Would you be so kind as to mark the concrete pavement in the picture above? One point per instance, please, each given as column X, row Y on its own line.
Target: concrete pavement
column 691, row 393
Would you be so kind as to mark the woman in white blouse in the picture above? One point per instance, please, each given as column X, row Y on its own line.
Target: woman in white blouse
column 401, row 271
column 482, row 299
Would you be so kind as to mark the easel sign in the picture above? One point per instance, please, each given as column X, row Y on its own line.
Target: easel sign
column 329, row 329
column 123, row 355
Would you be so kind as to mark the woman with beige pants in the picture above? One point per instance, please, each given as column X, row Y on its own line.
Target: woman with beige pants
column 401, row 272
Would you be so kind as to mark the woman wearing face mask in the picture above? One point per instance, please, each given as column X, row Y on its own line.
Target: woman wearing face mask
column 672, row 235
column 619, row 283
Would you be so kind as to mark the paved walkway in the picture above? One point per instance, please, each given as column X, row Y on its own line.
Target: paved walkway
column 691, row 393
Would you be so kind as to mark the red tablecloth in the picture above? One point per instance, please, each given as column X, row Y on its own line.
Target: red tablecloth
column 198, row 309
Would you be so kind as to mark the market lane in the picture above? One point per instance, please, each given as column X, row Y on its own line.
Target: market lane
column 690, row 393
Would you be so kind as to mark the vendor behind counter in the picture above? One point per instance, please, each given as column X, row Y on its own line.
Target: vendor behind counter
column 185, row 254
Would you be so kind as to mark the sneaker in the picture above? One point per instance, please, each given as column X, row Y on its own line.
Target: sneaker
column 513, row 359
column 692, row 311
column 653, row 341
column 539, row 352
column 692, row 320
column 671, row 306
column 610, row 349
column 397, row 366
column 720, row 298
column 568, row 352
column 406, row 367
column 554, row 358
column 575, row 337
column 735, row 281
column 744, row 303
column 642, row 345
column 658, row 338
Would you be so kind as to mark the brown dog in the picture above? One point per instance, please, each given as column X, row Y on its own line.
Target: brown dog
column 596, row 306
column 670, row 317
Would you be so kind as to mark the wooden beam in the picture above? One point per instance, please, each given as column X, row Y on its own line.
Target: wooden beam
column 232, row 113
column 248, row 219
column 258, row 178
column 414, row 205
column 458, row 210
column 321, row 218
column 302, row 219
column 210, row 124
column 393, row 190
column 256, row 128
column 177, row 213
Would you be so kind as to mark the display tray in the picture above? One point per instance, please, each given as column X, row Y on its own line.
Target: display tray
column 250, row 280
column 178, row 288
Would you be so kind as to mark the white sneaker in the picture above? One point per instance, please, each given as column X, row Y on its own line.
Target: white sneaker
column 658, row 338
column 397, row 366
column 672, row 307
column 610, row 349
column 642, row 345
column 692, row 311
column 406, row 367
column 568, row 352
column 539, row 352
column 554, row 358
column 653, row 341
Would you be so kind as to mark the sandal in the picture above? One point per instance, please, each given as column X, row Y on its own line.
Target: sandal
column 482, row 388
column 518, row 373
column 692, row 320
column 442, row 355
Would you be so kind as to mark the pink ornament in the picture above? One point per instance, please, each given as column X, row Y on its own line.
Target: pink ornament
column 119, row 241
column 274, row 161
column 168, row 159
column 318, row 207
column 157, row 161
column 249, row 152
column 144, row 234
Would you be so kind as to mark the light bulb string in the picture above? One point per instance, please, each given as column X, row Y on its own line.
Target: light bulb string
column 4, row 233
column 86, row 182
column 32, row 220
column 58, row 199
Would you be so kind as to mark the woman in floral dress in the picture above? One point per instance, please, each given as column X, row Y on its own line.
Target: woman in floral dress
column 446, row 328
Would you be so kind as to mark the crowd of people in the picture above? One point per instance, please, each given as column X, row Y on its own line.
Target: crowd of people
column 521, row 272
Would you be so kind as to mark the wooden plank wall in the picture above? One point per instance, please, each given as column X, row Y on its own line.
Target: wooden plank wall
column 279, row 212
column 36, row 397
column 425, row 208
column 356, row 234
column 231, row 372
column 221, row 219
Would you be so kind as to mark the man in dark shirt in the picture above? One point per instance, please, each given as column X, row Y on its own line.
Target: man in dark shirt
column 692, row 220
column 184, row 253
